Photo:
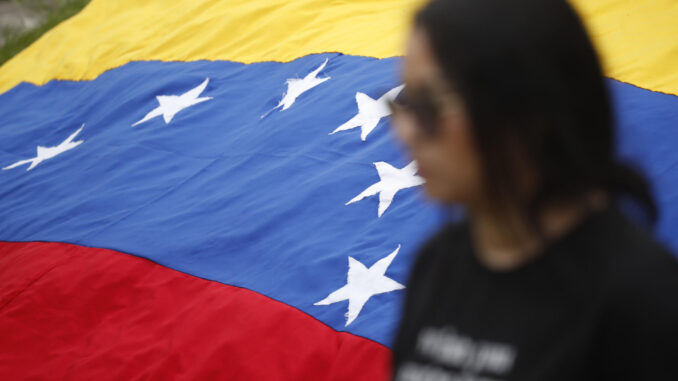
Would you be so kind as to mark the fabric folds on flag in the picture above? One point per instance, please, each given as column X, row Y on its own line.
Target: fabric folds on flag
column 209, row 190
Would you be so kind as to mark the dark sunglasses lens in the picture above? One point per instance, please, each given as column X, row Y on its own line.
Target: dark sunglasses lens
column 426, row 113
column 420, row 107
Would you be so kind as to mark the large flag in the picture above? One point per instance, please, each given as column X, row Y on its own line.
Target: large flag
column 209, row 189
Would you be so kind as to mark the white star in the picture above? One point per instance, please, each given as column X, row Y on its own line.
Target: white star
column 296, row 87
column 361, row 284
column 170, row 105
column 391, row 181
column 45, row 153
column 370, row 112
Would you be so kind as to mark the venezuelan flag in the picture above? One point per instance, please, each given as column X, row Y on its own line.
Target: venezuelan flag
column 209, row 190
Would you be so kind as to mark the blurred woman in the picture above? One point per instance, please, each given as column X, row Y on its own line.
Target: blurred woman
column 506, row 112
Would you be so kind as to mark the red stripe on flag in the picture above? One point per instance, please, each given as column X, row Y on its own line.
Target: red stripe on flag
column 71, row 312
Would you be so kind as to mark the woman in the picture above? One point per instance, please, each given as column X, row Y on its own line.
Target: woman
column 506, row 112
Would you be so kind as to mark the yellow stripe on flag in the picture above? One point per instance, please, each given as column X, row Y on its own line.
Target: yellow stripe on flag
column 637, row 38
column 110, row 33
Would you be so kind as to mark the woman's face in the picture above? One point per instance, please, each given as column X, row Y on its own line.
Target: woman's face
column 442, row 144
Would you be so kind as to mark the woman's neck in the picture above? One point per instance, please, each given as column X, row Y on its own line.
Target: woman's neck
column 506, row 241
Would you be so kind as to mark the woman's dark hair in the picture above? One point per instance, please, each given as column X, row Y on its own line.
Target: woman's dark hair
column 535, row 93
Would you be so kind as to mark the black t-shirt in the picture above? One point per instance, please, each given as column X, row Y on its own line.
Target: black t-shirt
column 601, row 303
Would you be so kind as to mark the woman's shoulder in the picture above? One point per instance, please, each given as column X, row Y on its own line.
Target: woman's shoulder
column 443, row 247
column 640, row 312
column 640, row 271
column 452, row 233
column 631, row 250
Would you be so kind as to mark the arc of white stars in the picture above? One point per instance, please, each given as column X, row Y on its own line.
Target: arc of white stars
column 362, row 283
column 298, row 86
column 391, row 181
column 170, row 105
column 370, row 112
column 46, row 153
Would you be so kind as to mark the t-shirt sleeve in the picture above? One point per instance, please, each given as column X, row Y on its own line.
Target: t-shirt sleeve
column 418, row 293
column 413, row 295
column 640, row 327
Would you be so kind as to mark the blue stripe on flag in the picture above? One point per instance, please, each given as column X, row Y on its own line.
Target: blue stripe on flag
column 234, row 190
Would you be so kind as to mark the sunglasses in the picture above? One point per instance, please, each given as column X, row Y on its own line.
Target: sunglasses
column 422, row 106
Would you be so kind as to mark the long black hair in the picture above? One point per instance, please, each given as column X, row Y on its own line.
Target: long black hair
column 534, row 90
